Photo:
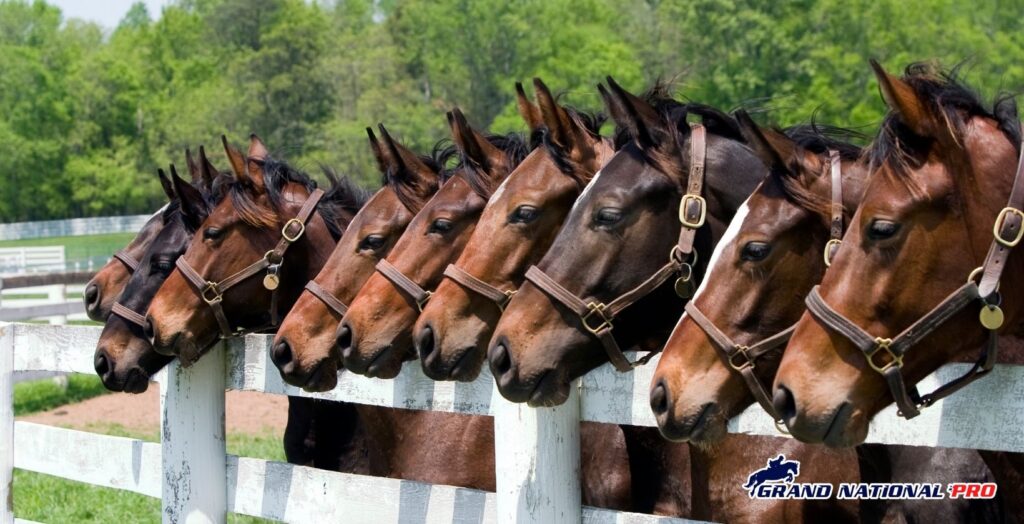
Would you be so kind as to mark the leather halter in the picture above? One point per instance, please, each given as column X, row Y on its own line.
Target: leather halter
column 130, row 262
column 464, row 279
column 213, row 292
column 597, row 316
column 742, row 358
column 1007, row 232
column 404, row 284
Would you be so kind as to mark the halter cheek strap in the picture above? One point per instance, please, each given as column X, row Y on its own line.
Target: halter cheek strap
column 213, row 292
column 1007, row 233
column 836, row 224
column 596, row 316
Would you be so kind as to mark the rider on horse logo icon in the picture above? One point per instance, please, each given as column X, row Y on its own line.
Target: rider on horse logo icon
column 779, row 469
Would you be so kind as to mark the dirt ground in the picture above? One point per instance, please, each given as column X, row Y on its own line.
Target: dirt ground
column 247, row 412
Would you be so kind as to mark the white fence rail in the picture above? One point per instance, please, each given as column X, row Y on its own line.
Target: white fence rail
column 72, row 226
column 53, row 302
column 538, row 468
column 30, row 259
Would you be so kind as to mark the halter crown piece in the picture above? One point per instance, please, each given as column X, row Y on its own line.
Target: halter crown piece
column 1007, row 232
column 597, row 316
column 213, row 292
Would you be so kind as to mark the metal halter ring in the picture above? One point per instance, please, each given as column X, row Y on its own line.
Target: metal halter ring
column 277, row 258
column 828, row 250
column 687, row 198
column 423, row 301
column 509, row 293
column 740, row 350
column 596, row 308
column 676, row 254
column 217, row 297
column 999, row 222
column 685, row 272
column 293, row 238
column 884, row 344
column 976, row 273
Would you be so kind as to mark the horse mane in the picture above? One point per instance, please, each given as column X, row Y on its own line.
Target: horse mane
column 817, row 139
column 515, row 147
column 342, row 197
column 589, row 121
column 948, row 96
column 212, row 195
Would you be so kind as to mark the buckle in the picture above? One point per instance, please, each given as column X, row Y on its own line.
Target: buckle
column 423, row 302
column 828, row 250
column 508, row 298
column 284, row 230
column 999, row 222
column 596, row 308
column 884, row 344
column 740, row 350
column 687, row 198
column 205, row 293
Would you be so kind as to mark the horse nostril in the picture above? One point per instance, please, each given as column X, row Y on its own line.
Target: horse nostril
column 784, row 402
column 343, row 339
column 149, row 331
column 659, row 399
column 91, row 295
column 102, row 363
column 425, row 343
column 282, row 353
column 501, row 362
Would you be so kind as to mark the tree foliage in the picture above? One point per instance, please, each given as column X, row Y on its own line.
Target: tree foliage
column 87, row 114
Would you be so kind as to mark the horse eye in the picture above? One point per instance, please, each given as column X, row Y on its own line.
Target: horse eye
column 211, row 233
column 441, row 225
column 755, row 251
column 162, row 265
column 373, row 242
column 525, row 214
column 607, row 216
column 882, row 229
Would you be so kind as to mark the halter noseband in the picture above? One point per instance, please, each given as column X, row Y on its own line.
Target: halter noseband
column 468, row 281
column 132, row 264
column 597, row 316
column 741, row 358
column 1007, row 232
column 213, row 292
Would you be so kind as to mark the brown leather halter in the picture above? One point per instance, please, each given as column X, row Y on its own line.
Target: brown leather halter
column 597, row 316
column 404, row 284
column 1007, row 232
column 741, row 358
column 213, row 292
column 130, row 263
column 464, row 279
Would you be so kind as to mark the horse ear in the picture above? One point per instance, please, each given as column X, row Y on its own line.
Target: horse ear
column 615, row 110
column 193, row 167
column 207, row 171
column 416, row 179
column 193, row 207
column 474, row 146
column 527, row 109
column 378, row 153
column 166, row 184
column 639, row 117
column 235, row 158
column 773, row 152
column 254, row 161
column 903, row 99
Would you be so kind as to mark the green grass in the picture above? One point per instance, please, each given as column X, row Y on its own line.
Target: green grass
column 46, row 498
column 41, row 395
column 78, row 247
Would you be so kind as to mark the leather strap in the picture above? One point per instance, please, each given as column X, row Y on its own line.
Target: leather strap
column 1008, row 228
column 693, row 207
column 332, row 302
column 129, row 261
column 742, row 358
column 404, row 284
column 464, row 279
column 213, row 292
column 836, row 223
column 129, row 315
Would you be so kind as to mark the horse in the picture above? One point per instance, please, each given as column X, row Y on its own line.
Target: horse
column 374, row 335
column 774, row 250
column 515, row 229
column 304, row 350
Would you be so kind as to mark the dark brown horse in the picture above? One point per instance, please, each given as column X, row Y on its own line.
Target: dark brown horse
column 375, row 335
column 514, row 231
column 304, row 350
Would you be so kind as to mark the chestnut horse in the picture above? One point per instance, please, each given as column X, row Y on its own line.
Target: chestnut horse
column 374, row 335
column 514, row 230
column 304, row 350
column 772, row 253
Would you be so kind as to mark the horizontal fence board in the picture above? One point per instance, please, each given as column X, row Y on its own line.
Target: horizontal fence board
column 101, row 460
column 71, row 307
column 69, row 349
column 285, row 492
column 607, row 516
column 72, row 226
column 45, row 279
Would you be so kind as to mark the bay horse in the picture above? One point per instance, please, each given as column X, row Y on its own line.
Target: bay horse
column 375, row 334
column 304, row 350
column 775, row 249
column 514, row 230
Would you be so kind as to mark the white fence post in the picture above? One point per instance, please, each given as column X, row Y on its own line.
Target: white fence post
column 57, row 294
column 537, row 462
column 192, row 441
column 6, row 423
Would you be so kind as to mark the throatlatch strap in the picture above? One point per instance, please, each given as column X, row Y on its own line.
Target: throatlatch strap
column 464, row 279
column 1008, row 229
column 332, row 302
column 129, row 315
column 129, row 261
column 404, row 284
column 693, row 207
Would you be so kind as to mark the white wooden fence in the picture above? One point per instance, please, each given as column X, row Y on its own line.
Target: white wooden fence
column 25, row 259
column 538, row 449
column 72, row 226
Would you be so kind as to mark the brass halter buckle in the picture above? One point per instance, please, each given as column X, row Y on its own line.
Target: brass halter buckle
column 1000, row 219
column 596, row 308
column 828, row 250
column 211, row 288
column 884, row 344
column 298, row 235
column 740, row 351
column 423, row 302
column 508, row 298
column 687, row 198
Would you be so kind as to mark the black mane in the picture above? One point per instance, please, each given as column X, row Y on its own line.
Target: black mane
column 515, row 148
column 341, row 198
column 673, row 111
column 591, row 122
